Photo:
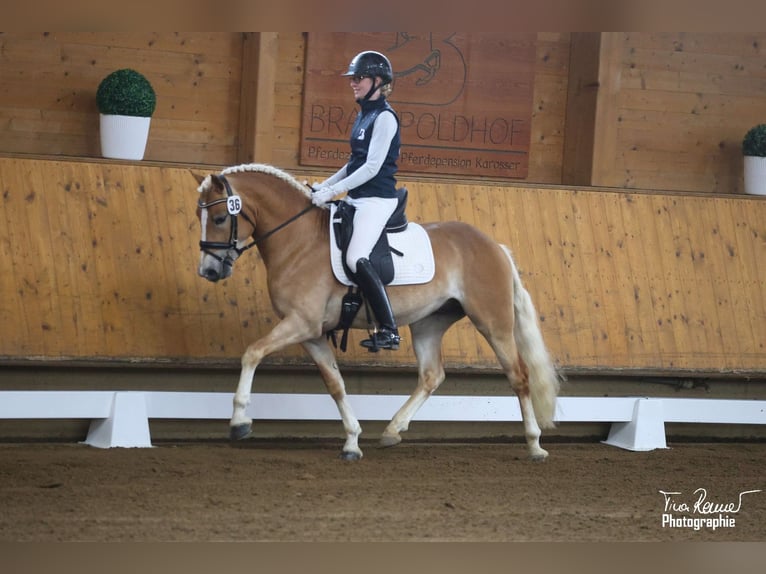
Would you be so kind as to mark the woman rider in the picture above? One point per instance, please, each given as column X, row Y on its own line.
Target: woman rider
column 368, row 177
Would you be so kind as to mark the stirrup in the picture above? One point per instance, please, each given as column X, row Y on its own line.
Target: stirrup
column 383, row 339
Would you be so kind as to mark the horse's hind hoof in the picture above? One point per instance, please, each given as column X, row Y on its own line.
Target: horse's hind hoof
column 387, row 441
column 238, row 432
column 350, row 455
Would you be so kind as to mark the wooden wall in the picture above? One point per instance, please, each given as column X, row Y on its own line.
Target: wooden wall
column 662, row 111
column 47, row 102
column 49, row 83
column 103, row 254
column 674, row 107
column 100, row 265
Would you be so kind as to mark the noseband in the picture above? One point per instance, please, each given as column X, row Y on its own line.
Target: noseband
column 234, row 206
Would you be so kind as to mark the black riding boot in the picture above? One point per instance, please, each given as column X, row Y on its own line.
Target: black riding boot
column 387, row 336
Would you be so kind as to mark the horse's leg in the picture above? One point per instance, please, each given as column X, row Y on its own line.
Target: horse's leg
column 517, row 374
column 291, row 330
column 323, row 356
column 489, row 293
column 427, row 337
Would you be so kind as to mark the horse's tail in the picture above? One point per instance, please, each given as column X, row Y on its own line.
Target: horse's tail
column 544, row 379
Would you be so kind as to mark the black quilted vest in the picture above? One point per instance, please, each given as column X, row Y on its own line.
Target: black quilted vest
column 384, row 183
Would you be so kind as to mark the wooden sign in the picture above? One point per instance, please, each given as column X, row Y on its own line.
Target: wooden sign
column 464, row 101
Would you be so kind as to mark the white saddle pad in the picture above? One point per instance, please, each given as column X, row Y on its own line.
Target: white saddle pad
column 416, row 265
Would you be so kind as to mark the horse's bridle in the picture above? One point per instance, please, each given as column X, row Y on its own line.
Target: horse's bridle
column 231, row 245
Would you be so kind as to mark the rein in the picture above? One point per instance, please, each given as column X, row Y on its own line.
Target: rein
column 206, row 246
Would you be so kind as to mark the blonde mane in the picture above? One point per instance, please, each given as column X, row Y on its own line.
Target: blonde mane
column 269, row 170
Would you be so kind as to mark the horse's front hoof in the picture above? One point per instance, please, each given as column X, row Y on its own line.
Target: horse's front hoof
column 388, row 440
column 540, row 456
column 350, row 455
column 238, row 432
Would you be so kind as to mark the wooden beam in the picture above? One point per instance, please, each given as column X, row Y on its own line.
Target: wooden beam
column 607, row 111
column 256, row 116
column 582, row 94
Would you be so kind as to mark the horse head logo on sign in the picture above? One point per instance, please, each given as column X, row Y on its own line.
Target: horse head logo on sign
column 429, row 69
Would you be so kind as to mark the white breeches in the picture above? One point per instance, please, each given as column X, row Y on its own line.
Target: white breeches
column 371, row 216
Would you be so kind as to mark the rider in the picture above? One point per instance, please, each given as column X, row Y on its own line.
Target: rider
column 368, row 177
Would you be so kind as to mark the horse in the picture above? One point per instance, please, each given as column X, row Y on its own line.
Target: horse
column 258, row 205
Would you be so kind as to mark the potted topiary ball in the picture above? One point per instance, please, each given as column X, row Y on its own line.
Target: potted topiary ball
column 754, row 152
column 126, row 102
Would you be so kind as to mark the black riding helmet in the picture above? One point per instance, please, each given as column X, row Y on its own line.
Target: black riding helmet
column 371, row 64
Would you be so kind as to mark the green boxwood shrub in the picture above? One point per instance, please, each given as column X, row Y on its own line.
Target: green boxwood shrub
column 755, row 141
column 126, row 93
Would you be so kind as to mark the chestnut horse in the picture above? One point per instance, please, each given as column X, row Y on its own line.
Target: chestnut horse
column 260, row 205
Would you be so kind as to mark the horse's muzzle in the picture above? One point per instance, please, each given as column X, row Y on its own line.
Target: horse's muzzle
column 214, row 268
column 211, row 274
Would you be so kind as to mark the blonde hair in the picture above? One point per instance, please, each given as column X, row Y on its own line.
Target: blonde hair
column 386, row 90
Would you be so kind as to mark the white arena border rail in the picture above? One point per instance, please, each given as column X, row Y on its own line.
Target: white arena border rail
column 121, row 418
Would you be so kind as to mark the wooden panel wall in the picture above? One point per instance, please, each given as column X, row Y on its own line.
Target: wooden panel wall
column 205, row 115
column 674, row 107
column 100, row 264
column 48, row 94
column 670, row 112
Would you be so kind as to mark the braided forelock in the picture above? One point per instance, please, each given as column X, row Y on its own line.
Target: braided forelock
column 206, row 184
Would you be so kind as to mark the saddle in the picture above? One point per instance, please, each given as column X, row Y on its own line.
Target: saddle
column 381, row 256
column 414, row 266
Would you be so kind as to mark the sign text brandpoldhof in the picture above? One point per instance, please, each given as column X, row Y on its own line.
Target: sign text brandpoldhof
column 464, row 102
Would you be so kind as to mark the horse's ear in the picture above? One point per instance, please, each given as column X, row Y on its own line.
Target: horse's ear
column 199, row 177
column 216, row 181
column 213, row 180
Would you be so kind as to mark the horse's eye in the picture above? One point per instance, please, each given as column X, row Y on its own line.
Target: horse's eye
column 220, row 220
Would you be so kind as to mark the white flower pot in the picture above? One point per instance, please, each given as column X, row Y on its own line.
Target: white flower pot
column 124, row 137
column 755, row 175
